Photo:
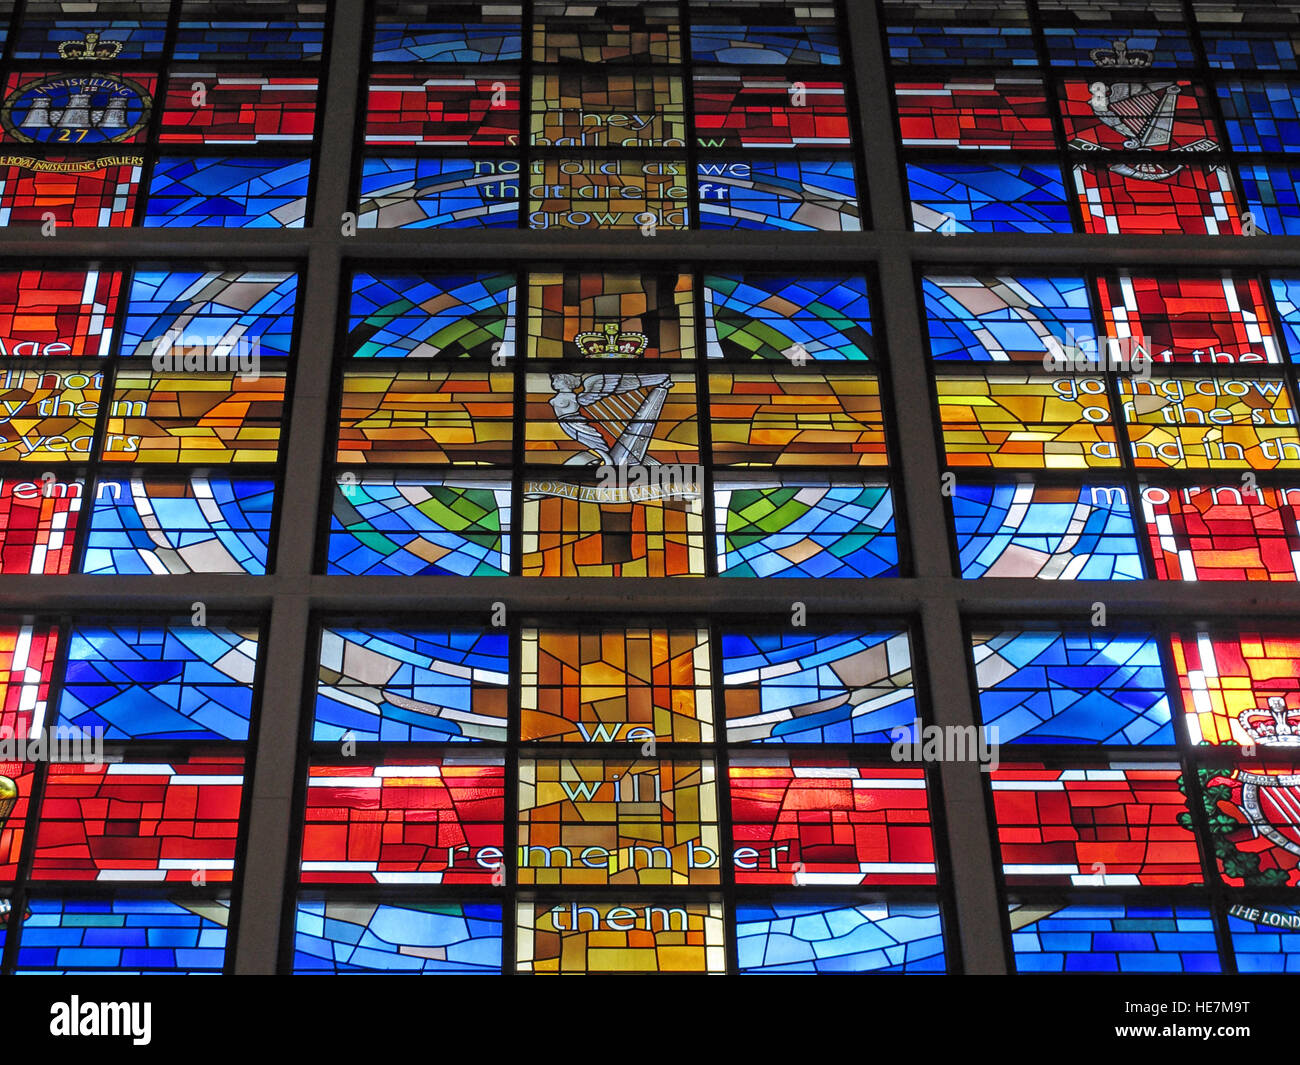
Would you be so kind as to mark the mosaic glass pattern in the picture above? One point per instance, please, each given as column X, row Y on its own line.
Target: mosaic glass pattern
column 1261, row 116
column 146, row 681
column 603, row 937
column 998, row 113
column 756, row 316
column 49, row 414
column 199, row 525
column 388, row 684
column 49, row 313
column 217, row 312
column 573, row 530
column 760, row 111
column 26, row 666
column 610, row 314
column 605, row 33
column 1022, row 529
column 431, row 315
column 1080, row 687
column 230, row 192
column 429, row 416
column 140, row 821
column 1155, row 198
column 1264, row 939
column 873, row 937
column 618, row 821
column 1033, row 422
column 405, row 821
column 337, row 936
column 817, row 687
column 38, row 524
column 1112, row 937
column 753, row 40
column 1239, row 688
column 1254, row 819
column 1270, row 194
column 829, row 822
column 442, row 110
column 238, row 109
column 1112, row 115
column 124, row 935
column 1190, row 319
column 1005, row 319
column 419, row 526
column 988, row 198
column 595, row 193
column 99, row 193
column 183, row 417
column 789, row 419
column 16, row 780
column 805, row 528
column 797, row 196
column 1223, row 532
column 961, row 45
column 437, row 193
column 582, row 418
column 1109, row 824
column 1211, row 423
column 593, row 108
column 612, row 686
column 74, row 108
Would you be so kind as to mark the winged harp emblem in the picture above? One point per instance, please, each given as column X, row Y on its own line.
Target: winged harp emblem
column 612, row 415
column 1143, row 113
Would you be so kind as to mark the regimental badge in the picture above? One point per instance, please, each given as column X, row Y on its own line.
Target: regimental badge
column 612, row 415
column 1271, row 801
column 76, row 109
column 1145, row 114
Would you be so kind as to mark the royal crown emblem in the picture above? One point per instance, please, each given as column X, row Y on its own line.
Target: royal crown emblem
column 90, row 47
column 612, row 343
column 1276, row 725
column 1120, row 57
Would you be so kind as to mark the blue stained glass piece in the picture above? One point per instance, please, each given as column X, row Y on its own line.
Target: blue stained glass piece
column 988, row 198
column 230, row 192
column 345, row 936
column 385, row 684
column 1020, row 530
column 141, row 681
column 1049, row 686
column 884, row 937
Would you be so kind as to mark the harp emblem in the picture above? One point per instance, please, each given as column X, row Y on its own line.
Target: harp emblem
column 612, row 415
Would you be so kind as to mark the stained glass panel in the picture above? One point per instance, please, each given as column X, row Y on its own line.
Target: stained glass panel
column 1113, row 824
column 335, row 936
column 803, row 937
column 817, row 687
column 818, row 822
column 1080, row 687
column 1023, row 529
column 608, row 686
column 405, row 821
column 429, row 416
column 140, row 820
column 805, row 528
column 449, row 526
column 387, row 684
